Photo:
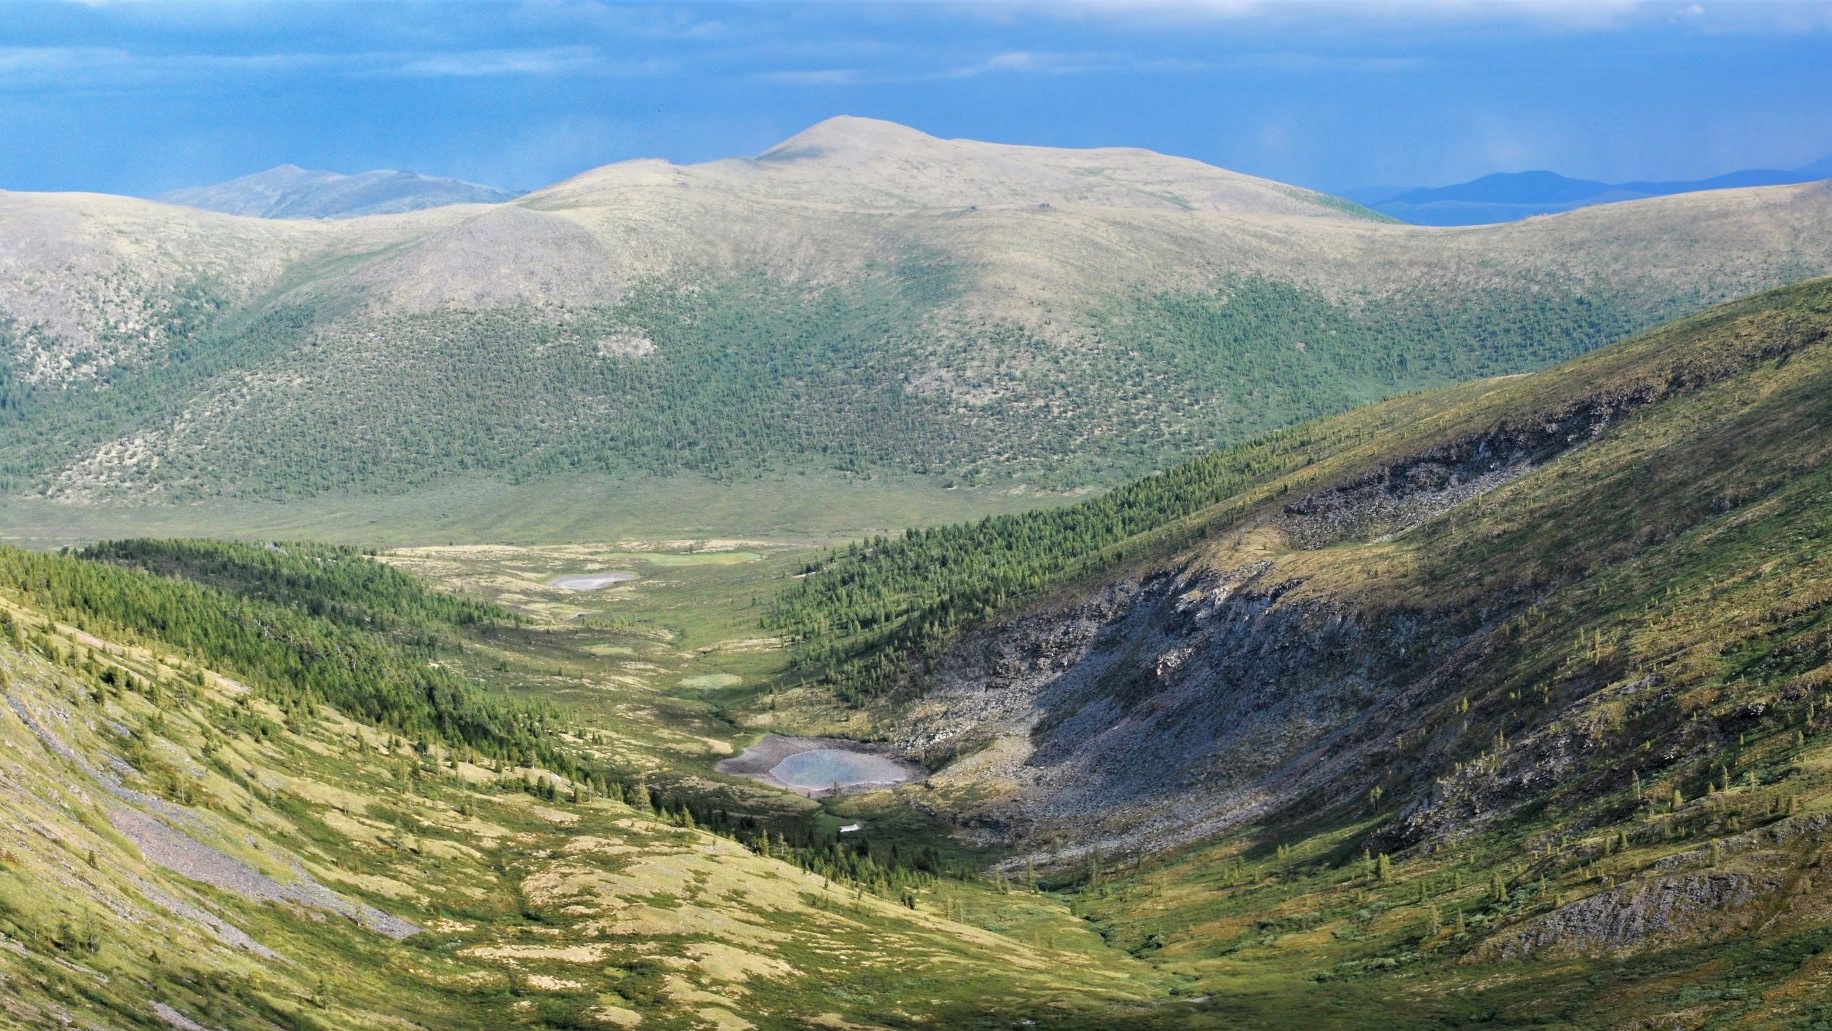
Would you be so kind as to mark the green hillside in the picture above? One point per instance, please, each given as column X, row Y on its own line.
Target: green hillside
column 1502, row 704
column 200, row 830
column 748, row 378
column 913, row 591
column 1496, row 705
column 866, row 303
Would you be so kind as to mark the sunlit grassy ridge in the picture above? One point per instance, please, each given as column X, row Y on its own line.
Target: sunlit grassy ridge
column 185, row 846
column 870, row 604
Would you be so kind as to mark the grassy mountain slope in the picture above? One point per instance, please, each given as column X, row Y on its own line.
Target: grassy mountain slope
column 1505, row 701
column 1494, row 705
column 201, row 835
column 950, row 309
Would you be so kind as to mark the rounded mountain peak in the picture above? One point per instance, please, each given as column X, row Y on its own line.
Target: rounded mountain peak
column 847, row 135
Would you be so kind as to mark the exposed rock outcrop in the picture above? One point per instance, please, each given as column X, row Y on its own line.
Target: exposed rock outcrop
column 1161, row 710
column 1666, row 910
column 1766, row 874
column 1401, row 494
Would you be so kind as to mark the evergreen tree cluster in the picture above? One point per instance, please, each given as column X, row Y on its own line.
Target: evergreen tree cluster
column 743, row 376
column 339, row 583
column 860, row 614
column 372, row 656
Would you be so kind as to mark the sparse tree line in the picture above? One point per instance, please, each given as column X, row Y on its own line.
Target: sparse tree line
column 305, row 626
column 749, row 377
column 859, row 615
column 369, row 655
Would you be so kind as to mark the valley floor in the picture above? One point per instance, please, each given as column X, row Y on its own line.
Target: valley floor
column 186, row 854
column 1501, row 706
column 182, row 852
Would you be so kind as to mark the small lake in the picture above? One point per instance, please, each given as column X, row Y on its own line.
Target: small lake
column 812, row 766
column 823, row 767
column 591, row 581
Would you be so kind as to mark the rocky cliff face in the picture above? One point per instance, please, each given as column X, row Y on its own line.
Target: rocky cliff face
column 1398, row 495
column 1170, row 708
column 1220, row 690
column 1760, row 879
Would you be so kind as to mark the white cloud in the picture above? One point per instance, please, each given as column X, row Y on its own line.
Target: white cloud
column 31, row 68
column 650, row 21
column 1556, row 14
column 1035, row 62
column 1274, row 138
column 60, row 60
column 1031, row 62
column 466, row 64
column 1008, row 62
column 1784, row 17
column 816, row 77
column 1303, row 61
column 1798, row 18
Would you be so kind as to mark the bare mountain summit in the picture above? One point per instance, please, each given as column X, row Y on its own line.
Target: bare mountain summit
column 288, row 191
column 865, row 163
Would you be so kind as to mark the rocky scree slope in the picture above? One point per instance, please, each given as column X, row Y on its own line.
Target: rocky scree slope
column 1528, row 669
column 1517, row 593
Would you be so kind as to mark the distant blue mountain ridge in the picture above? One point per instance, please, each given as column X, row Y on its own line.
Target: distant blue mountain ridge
column 1511, row 196
column 289, row 191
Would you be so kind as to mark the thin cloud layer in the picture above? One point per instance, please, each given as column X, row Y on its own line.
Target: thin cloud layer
column 1330, row 94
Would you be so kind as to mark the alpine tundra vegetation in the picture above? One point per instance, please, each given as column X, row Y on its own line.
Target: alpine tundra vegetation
column 896, row 581
column 1502, row 701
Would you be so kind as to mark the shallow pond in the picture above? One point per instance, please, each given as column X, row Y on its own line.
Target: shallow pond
column 824, row 767
column 812, row 766
column 590, row 582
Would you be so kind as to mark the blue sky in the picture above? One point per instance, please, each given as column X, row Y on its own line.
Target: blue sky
column 139, row 96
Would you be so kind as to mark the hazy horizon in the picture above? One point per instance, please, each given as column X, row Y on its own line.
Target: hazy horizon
column 140, row 98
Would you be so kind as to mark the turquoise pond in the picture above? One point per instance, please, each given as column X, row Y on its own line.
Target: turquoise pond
column 821, row 767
